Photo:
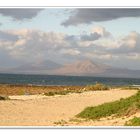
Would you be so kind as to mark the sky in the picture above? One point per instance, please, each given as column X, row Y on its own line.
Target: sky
column 65, row 35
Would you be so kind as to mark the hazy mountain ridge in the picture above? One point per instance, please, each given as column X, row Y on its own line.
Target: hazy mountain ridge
column 41, row 67
column 78, row 68
column 85, row 67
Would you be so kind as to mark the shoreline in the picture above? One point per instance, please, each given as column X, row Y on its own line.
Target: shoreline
column 93, row 76
column 59, row 80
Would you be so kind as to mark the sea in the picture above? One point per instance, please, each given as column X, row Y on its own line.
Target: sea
column 50, row 80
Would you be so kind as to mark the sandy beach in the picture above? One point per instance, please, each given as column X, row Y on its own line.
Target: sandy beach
column 41, row 110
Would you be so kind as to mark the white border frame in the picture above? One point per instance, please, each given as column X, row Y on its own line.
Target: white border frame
column 70, row 127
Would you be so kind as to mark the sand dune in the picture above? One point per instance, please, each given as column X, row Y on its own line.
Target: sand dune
column 39, row 110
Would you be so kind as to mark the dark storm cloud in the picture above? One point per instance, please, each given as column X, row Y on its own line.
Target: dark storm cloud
column 20, row 13
column 80, row 16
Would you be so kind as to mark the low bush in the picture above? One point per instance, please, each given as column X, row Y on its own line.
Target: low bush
column 133, row 122
column 107, row 109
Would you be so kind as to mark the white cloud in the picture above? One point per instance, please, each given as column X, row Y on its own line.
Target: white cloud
column 35, row 45
column 97, row 36
column 32, row 44
column 100, row 30
column 70, row 51
column 99, row 55
column 133, row 56
column 130, row 40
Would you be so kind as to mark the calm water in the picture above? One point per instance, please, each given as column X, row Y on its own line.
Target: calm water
column 63, row 80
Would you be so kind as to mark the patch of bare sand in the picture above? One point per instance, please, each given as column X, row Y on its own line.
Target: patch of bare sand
column 39, row 110
column 27, row 97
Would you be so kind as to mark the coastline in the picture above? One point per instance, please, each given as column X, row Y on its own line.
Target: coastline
column 60, row 80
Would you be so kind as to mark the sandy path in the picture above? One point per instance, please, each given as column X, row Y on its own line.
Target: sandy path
column 44, row 111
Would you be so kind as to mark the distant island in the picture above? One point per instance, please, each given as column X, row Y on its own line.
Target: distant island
column 77, row 68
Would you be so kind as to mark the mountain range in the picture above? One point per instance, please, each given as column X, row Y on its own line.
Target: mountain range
column 78, row 68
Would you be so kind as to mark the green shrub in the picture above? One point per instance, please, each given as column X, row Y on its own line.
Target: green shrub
column 133, row 122
column 107, row 109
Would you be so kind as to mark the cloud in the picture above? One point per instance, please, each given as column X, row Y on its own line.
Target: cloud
column 7, row 36
column 128, row 44
column 131, row 40
column 107, row 47
column 133, row 56
column 34, row 45
column 127, row 47
column 101, row 31
column 97, row 34
column 99, row 55
column 87, row 16
column 20, row 13
column 91, row 37
column 70, row 51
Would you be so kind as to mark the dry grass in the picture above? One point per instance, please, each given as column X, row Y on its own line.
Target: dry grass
column 7, row 90
column 31, row 90
column 61, row 122
column 97, row 86
column 4, row 98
